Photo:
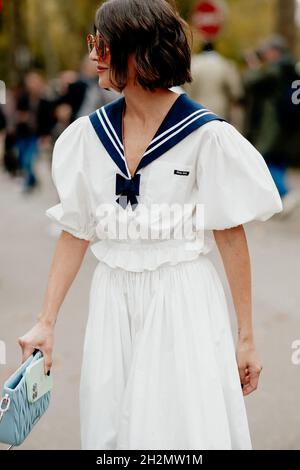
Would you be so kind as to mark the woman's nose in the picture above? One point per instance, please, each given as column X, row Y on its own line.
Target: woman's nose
column 93, row 55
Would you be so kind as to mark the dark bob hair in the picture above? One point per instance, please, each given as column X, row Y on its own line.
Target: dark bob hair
column 153, row 32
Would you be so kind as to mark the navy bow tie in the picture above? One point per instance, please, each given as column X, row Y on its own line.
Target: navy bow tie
column 128, row 190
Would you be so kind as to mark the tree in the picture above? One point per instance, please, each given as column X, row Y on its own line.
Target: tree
column 286, row 21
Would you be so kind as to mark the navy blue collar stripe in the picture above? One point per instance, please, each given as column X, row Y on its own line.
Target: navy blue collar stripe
column 114, row 134
column 176, row 125
column 175, row 140
column 113, row 141
column 176, row 132
column 114, row 138
column 107, row 142
column 184, row 117
column 109, row 134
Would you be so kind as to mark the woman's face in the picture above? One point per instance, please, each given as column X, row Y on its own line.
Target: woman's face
column 103, row 69
column 103, row 66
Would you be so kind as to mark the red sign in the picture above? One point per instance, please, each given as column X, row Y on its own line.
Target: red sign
column 208, row 18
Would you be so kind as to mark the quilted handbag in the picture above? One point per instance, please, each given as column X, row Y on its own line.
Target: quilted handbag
column 17, row 414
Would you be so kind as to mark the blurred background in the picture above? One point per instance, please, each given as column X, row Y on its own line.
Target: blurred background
column 246, row 67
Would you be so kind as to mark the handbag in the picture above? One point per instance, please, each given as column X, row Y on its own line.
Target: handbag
column 18, row 413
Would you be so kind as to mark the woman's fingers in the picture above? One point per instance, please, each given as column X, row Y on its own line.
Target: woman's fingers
column 27, row 350
column 252, row 380
column 47, row 360
column 242, row 373
column 249, row 367
column 40, row 337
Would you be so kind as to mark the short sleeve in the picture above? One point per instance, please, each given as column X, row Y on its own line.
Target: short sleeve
column 69, row 174
column 233, row 181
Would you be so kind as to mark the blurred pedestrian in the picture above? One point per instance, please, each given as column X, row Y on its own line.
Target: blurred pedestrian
column 273, row 121
column 2, row 133
column 34, row 120
column 83, row 95
column 217, row 83
column 10, row 154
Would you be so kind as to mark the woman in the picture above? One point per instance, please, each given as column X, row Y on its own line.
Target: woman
column 159, row 368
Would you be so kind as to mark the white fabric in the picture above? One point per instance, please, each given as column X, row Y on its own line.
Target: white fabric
column 234, row 182
column 226, row 174
column 159, row 368
column 70, row 175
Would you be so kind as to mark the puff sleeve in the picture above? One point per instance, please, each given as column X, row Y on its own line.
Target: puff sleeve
column 233, row 181
column 69, row 174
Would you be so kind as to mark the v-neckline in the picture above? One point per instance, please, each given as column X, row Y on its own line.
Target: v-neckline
column 157, row 133
column 183, row 118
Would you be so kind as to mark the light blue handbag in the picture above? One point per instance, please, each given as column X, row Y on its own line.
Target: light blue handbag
column 17, row 414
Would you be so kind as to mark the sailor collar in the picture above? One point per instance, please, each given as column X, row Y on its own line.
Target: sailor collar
column 184, row 117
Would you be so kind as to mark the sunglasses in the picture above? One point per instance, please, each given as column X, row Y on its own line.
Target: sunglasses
column 99, row 44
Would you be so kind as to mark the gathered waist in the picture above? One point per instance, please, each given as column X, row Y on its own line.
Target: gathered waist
column 140, row 255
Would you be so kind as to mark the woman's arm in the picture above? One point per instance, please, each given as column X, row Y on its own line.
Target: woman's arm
column 232, row 244
column 67, row 259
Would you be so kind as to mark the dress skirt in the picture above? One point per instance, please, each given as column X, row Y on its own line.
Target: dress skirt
column 159, row 368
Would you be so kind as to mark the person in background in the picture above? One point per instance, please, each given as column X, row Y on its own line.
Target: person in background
column 272, row 120
column 34, row 121
column 9, row 151
column 62, row 114
column 94, row 97
column 82, row 95
column 2, row 132
column 253, row 97
column 216, row 83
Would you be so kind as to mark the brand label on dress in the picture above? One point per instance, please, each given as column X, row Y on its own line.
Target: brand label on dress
column 181, row 172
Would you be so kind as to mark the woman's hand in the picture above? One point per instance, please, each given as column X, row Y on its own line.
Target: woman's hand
column 249, row 366
column 41, row 337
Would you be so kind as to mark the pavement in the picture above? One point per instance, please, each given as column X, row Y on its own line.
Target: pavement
column 27, row 242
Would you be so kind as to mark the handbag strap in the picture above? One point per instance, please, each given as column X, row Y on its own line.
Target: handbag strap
column 4, row 405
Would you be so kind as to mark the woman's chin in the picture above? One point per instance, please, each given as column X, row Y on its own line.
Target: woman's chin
column 107, row 85
column 104, row 83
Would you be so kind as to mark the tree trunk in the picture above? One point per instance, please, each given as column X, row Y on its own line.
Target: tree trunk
column 48, row 54
column 286, row 21
column 17, row 37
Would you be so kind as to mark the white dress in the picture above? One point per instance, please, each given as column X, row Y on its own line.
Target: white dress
column 159, row 368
